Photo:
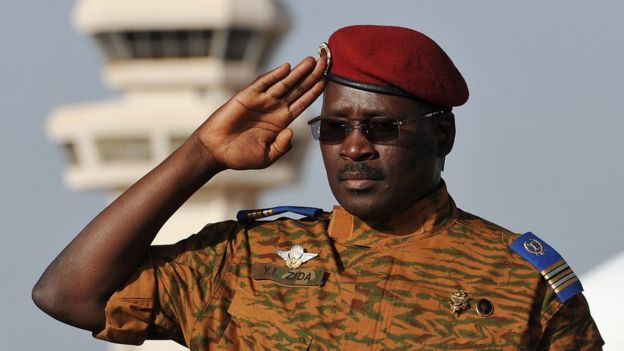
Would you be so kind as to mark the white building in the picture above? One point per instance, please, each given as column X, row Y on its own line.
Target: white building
column 603, row 286
column 174, row 62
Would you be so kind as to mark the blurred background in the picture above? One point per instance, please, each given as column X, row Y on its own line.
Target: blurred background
column 538, row 145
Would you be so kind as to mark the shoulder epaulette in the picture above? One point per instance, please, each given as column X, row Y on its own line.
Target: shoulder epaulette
column 252, row 215
column 550, row 264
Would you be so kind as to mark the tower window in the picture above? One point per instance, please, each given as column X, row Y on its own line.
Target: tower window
column 123, row 149
column 238, row 41
column 69, row 149
column 155, row 44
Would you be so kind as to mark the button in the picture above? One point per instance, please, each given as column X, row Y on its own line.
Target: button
column 484, row 307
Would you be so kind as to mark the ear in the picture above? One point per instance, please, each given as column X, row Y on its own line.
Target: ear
column 445, row 134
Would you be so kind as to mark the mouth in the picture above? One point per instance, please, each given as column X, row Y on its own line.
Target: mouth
column 359, row 184
column 359, row 176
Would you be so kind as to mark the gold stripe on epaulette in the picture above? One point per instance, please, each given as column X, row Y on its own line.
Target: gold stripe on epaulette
column 559, row 275
column 556, row 271
column 253, row 215
column 559, row 282
column 552, row 267
column 566, row 284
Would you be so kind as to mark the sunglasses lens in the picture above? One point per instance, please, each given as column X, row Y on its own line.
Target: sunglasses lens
column 382, row 130
column 332, row 131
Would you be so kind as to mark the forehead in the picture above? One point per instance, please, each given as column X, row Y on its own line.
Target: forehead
column 343, row 101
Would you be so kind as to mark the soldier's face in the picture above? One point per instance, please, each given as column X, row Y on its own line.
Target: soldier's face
column 375, row 181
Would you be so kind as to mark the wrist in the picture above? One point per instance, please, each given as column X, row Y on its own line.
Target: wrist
column 202, row 156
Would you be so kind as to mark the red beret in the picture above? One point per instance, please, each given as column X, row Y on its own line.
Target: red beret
column 397, row 61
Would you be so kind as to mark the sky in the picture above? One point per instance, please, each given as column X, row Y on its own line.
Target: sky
column 538, row 145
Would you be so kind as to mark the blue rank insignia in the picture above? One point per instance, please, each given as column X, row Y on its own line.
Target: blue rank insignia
column 252, row 215
column 551, row 265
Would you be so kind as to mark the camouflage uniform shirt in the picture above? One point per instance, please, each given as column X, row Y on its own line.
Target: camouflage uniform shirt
column 377, row 291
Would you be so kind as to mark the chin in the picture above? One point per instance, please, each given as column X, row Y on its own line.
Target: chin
column 366, row 204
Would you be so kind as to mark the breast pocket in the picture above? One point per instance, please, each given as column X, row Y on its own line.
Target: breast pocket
column 258, row 326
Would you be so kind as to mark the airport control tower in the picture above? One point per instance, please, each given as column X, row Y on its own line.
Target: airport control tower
column 173, row 63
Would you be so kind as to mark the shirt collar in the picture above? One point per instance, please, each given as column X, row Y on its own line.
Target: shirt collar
column 425, row 218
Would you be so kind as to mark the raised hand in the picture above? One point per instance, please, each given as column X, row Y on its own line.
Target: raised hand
column 250, row 130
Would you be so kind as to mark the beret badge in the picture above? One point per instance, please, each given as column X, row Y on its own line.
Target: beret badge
column 325, row 47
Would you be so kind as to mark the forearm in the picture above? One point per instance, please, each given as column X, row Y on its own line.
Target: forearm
column 76, row 285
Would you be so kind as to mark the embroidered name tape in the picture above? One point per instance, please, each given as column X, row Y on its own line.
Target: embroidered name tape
column 286, row 276
column 551, row 265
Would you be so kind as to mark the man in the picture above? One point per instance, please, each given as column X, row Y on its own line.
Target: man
column 398, row 266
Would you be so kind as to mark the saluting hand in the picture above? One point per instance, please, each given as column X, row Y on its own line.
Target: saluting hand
column 250, row 130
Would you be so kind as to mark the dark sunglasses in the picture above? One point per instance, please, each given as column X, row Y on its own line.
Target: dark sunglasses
column 378, row 130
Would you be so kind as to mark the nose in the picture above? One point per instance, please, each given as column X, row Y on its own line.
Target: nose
column 356, row 147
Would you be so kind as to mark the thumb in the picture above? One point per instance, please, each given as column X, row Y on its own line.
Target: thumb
column 281, row 145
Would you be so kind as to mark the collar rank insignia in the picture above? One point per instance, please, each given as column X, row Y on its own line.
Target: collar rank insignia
column 295, row 257
column 549, row 263
column 459, row 301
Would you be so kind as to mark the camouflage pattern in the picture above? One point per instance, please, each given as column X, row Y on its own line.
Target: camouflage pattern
column 379, row 292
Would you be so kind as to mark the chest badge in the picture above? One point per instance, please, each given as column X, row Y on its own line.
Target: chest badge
column 295, row 257
column 459, row 301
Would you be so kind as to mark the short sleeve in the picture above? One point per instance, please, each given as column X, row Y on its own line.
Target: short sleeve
column 164, row 295
column 572, row 328
column 130, row 311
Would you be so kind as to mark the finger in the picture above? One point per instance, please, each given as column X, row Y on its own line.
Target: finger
column 285, row 85
column 265, row 81
column 317, row 74
column 281, row 145
column 297, row 107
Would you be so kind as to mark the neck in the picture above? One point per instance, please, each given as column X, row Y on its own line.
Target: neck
column 403, row 222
